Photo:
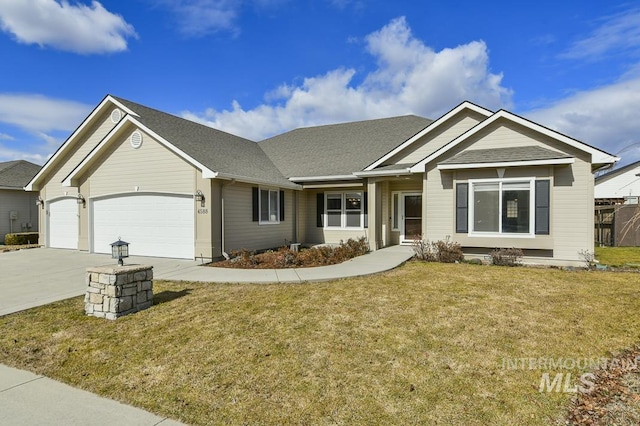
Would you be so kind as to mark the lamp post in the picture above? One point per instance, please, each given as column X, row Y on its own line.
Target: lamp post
column 119, row 250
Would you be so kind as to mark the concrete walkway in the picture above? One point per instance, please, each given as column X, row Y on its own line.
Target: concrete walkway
column 35, row 277
column 371, row 263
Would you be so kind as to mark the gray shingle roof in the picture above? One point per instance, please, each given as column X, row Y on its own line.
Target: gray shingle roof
column 17, row 174
column 219, row 151
column 339, row 149
column 500, row 155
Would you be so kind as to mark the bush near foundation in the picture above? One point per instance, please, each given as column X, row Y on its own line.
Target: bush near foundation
column 21, row 238
column 507, row 257
column 444, row 251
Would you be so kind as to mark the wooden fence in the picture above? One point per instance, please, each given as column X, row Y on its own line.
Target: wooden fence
column 617, row 225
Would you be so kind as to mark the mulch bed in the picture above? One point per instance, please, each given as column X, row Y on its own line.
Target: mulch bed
column 615, row 398
column 5, row 249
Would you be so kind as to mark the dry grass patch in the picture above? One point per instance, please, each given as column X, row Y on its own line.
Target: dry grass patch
column 423, row 344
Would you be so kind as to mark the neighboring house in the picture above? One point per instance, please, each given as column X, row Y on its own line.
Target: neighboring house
column 175, row 188
column 18, row 210
column 620, row 186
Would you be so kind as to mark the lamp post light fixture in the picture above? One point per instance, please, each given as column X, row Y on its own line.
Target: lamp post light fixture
column 80, row 199
column 119, row 250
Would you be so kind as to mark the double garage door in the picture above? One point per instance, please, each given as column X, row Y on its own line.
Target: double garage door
column 153, row 225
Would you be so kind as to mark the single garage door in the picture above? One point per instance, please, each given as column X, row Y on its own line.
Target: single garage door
column 153, row 225
column 63, row 223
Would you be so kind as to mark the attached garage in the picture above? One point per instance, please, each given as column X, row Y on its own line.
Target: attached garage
column 158, row 225
column 63, row 223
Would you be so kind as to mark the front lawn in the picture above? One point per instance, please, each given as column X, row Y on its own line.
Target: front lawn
column 619, row 256
column 423, row 344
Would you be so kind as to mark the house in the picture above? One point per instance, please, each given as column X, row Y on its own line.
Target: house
column 175, row 188
column 18, row 211
column 620, row 186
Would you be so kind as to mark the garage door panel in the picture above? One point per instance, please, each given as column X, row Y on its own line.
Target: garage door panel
column 154, row 225
column 63, row 224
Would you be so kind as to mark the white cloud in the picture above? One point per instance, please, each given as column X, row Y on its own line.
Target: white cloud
column 75, row 28
column 606, row 117
column 198, row 18
column 618, row 34
column 6, row 137
column 9, row 154
column 40, row 114
column 410, row 78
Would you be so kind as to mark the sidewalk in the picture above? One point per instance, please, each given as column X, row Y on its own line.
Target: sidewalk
column 28, row 399
column 371, row 263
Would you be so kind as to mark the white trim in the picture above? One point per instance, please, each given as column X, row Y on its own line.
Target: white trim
column 321, row 178
column 506, row 164
column 429, row 128
column 500, row 234
column 334, row 185
column 96, row 111
column 388, row 172
column 343, row 210
column 393, row 216
column 278, row 213
column 402, row 240
column 253, row 181
column 597, row 156
column 68, row 181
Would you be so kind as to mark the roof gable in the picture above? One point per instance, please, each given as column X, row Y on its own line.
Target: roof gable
column 598, row 157
column 107, row 102
column 617, row 172
column 463, row 108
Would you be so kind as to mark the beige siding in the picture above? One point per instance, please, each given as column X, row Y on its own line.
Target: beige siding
column 437, row 139
column 240, row 230
column 149, row 168
column 572, row 210
column 24, row 203
column 318, row 235
column 439, row 218
column 505, row 134
column 75, row 155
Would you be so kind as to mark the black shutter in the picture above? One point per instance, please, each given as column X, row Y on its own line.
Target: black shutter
column 319, row 209
column 365, row 206
column 462, row 208
column 542, row 207
column 281, row 206
column 255, row 204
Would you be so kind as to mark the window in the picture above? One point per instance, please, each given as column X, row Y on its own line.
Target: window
column 344, row 210
column 501, row 206
column 395, row 213
column 269, row 206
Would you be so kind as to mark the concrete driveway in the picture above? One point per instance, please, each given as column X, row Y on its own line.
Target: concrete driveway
column 39, row 276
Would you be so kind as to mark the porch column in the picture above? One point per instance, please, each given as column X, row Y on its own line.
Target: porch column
column 373, row 211
column 424, row 206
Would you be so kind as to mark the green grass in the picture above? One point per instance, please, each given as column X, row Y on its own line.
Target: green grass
column 423, row 344
column 618, row 256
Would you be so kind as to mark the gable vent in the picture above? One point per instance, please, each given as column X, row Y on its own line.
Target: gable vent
column 116, row 115
column 136, row 139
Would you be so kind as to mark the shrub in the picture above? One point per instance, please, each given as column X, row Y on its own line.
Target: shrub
column 21, row 238
column 507, row 257
column 445, row 251
column 589, row 259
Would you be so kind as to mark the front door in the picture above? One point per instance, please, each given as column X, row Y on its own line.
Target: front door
column 412, row 217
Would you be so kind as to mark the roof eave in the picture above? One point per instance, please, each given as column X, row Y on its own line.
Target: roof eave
column 556, row 161
column 322, row 178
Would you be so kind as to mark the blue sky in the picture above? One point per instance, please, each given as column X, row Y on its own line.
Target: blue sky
column 256, row 68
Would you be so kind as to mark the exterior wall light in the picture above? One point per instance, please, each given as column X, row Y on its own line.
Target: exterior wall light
column 40, row 202
column 119, row 250
column 199, row 196
column 80, row 199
